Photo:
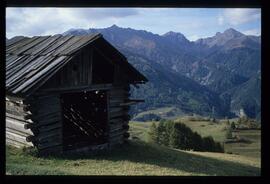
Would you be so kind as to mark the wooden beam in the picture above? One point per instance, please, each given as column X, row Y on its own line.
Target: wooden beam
column 78, row 89
column 17, row 125
column 18, row 138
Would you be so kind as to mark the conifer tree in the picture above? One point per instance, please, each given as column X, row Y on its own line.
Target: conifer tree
column 153, row 133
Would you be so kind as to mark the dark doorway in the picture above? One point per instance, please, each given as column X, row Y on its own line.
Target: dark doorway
column 84, row 119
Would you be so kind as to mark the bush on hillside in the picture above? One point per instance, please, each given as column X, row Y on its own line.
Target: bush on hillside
column 247, row 123
column 229, row 133
column 178, row 135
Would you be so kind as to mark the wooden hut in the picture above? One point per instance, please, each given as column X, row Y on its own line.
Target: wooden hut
column 67, row 93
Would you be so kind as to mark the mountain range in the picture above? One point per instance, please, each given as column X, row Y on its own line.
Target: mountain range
column 214, row 76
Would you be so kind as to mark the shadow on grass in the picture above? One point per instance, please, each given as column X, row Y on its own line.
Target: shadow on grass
column 141, row 152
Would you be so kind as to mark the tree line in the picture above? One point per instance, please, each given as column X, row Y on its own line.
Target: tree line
column 178, row 135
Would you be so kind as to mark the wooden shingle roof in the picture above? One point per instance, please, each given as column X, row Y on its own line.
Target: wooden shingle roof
column 31, row 60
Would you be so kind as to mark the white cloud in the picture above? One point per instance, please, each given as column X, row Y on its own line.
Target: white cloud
column 255, row 32
column 220, row 20
column 44, row 21
column 238, row 16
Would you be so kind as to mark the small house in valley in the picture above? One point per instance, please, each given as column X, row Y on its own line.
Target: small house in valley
column 67, row 93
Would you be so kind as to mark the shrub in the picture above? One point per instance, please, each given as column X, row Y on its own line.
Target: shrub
column 153, row 133
column 229, row 133
column 233, row 127
column 178, row 135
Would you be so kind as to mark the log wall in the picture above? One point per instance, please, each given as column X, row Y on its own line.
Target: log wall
column 37, row 121
column 118, row 115
column 48, row 122
column 34, row 122
column 18, row 117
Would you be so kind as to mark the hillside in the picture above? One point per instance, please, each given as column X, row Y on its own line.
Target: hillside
column 189, row 72
column 204, row 127
column 136, row 158
column 247, row 96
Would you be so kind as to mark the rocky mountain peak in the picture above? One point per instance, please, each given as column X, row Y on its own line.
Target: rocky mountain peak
column 232, row 33
column 175, row 36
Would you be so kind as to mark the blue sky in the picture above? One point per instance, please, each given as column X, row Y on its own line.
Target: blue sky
column 194, row 23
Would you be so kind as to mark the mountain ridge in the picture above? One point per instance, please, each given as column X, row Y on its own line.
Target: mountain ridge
column 218, row 63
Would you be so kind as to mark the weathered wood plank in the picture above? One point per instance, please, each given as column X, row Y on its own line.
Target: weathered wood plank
column 17, row 125
column 30, row 45
column 33, row 80
column 17, row 108
column 49, row 133
column 59, row 42
column 18, row 138
column 25, row 118
column 15, row 143
column 116, row 133
column 16, row 132
column 118, row 114
column 80, row 88
column 115, row 109
column 55, row 138
column 49, row 144
column 51, row 120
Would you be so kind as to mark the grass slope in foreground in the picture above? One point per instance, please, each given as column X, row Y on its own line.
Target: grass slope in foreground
column 134, row 158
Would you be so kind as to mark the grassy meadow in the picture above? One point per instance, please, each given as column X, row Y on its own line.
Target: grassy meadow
column 216, row 130
column 137, row 157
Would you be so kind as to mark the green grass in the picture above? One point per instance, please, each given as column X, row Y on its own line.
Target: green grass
column 163, row 112
column 207, row 128
column 253, row 149
column 133, row 158
column 141, row 158
column 217, row 131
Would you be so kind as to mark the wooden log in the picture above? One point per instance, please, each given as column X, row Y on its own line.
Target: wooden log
column 44, row 135
column 15, row 99
column 119, row 95
column 30, row 138
column 118, row 114
column 47, row 114
column 135, row 100
column 127, row 104
column 17, row 125
column 16, row 132
column 48, row 120
column 119, row 98
column 77, row 89
column 119, row 92
column 55, row 138
column 117, row 127
column 15, row 143
column 18, row 138
column 49, row 127
column 17, row 108
column 21, row 117
column 115, row 109
column 116, row 101
column 18, row 113
column 124, row 117
column 116, row 133
column 49, row 144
